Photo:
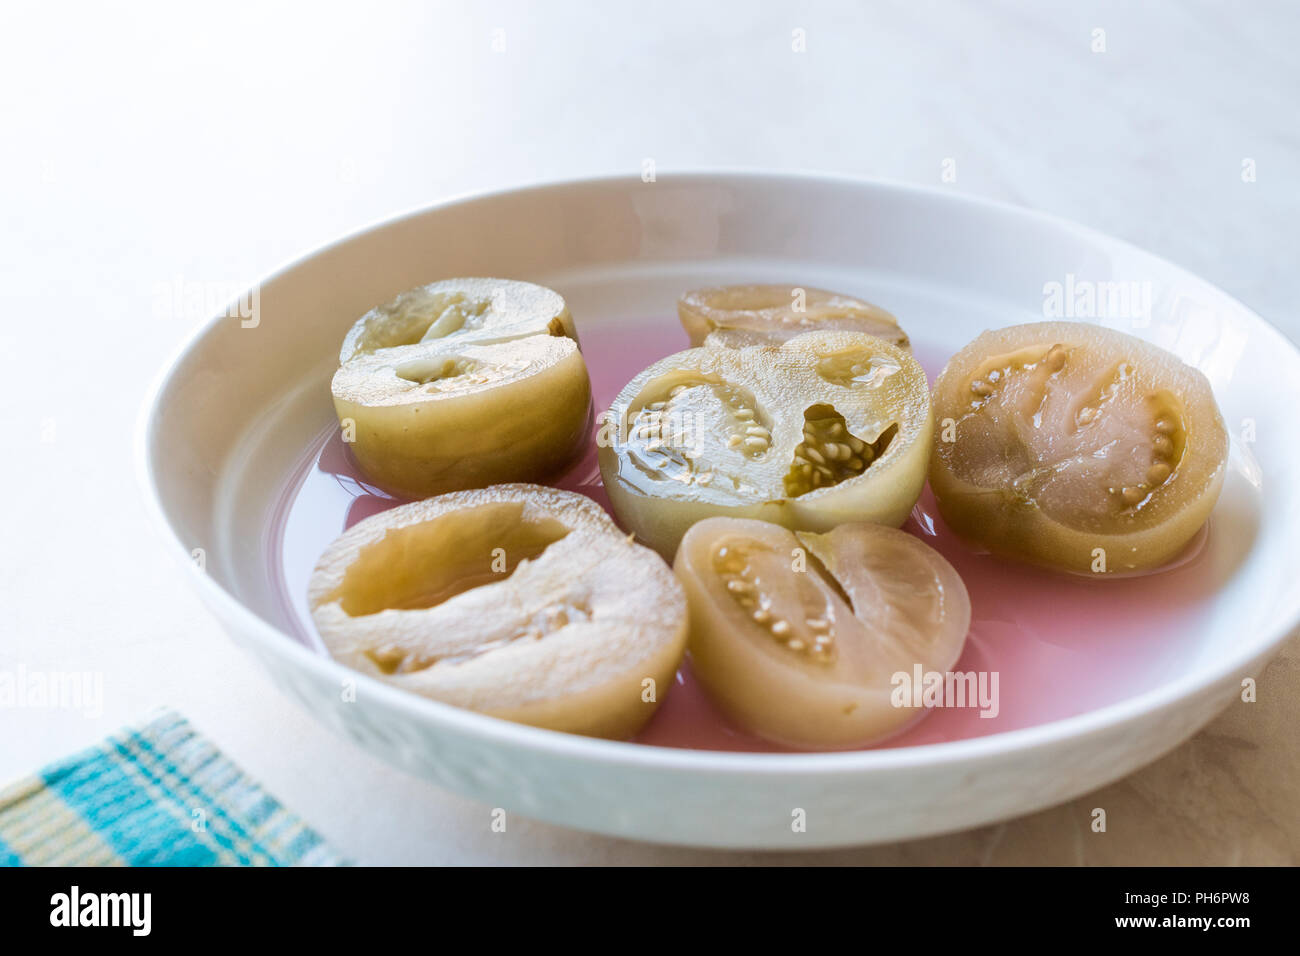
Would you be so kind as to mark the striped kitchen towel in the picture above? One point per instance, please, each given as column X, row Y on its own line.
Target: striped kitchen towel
column 157, row 794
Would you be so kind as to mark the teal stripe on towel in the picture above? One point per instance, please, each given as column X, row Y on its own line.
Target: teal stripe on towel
column 8, row 857
column 181, row 792
column 142, row 828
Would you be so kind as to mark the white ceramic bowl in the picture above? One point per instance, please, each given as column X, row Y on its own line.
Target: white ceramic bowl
column 239, row 406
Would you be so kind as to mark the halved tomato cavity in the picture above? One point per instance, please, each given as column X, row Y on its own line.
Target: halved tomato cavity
column 1084, row 440
column 422, row 565
column 684, row 404
column 848, row 367
column 828, row 453
column 799, row 618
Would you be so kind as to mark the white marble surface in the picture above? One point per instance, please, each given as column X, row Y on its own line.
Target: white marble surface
column 146, row 144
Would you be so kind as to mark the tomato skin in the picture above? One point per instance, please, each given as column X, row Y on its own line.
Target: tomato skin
column 1011, row 527
column 1009, row 517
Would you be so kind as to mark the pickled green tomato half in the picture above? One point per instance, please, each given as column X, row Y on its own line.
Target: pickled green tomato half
column 463, row 384
column 824, row 428
column 754, row 314
column 798, row 636
column 1075, row 446
column 513, row 601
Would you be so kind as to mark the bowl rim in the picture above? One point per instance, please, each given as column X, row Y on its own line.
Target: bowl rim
column 495, row 731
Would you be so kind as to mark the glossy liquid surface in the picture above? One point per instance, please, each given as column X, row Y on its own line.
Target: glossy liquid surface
column 1060, row 645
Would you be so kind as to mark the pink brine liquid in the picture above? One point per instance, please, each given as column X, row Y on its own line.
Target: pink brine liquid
column 1059, row 644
